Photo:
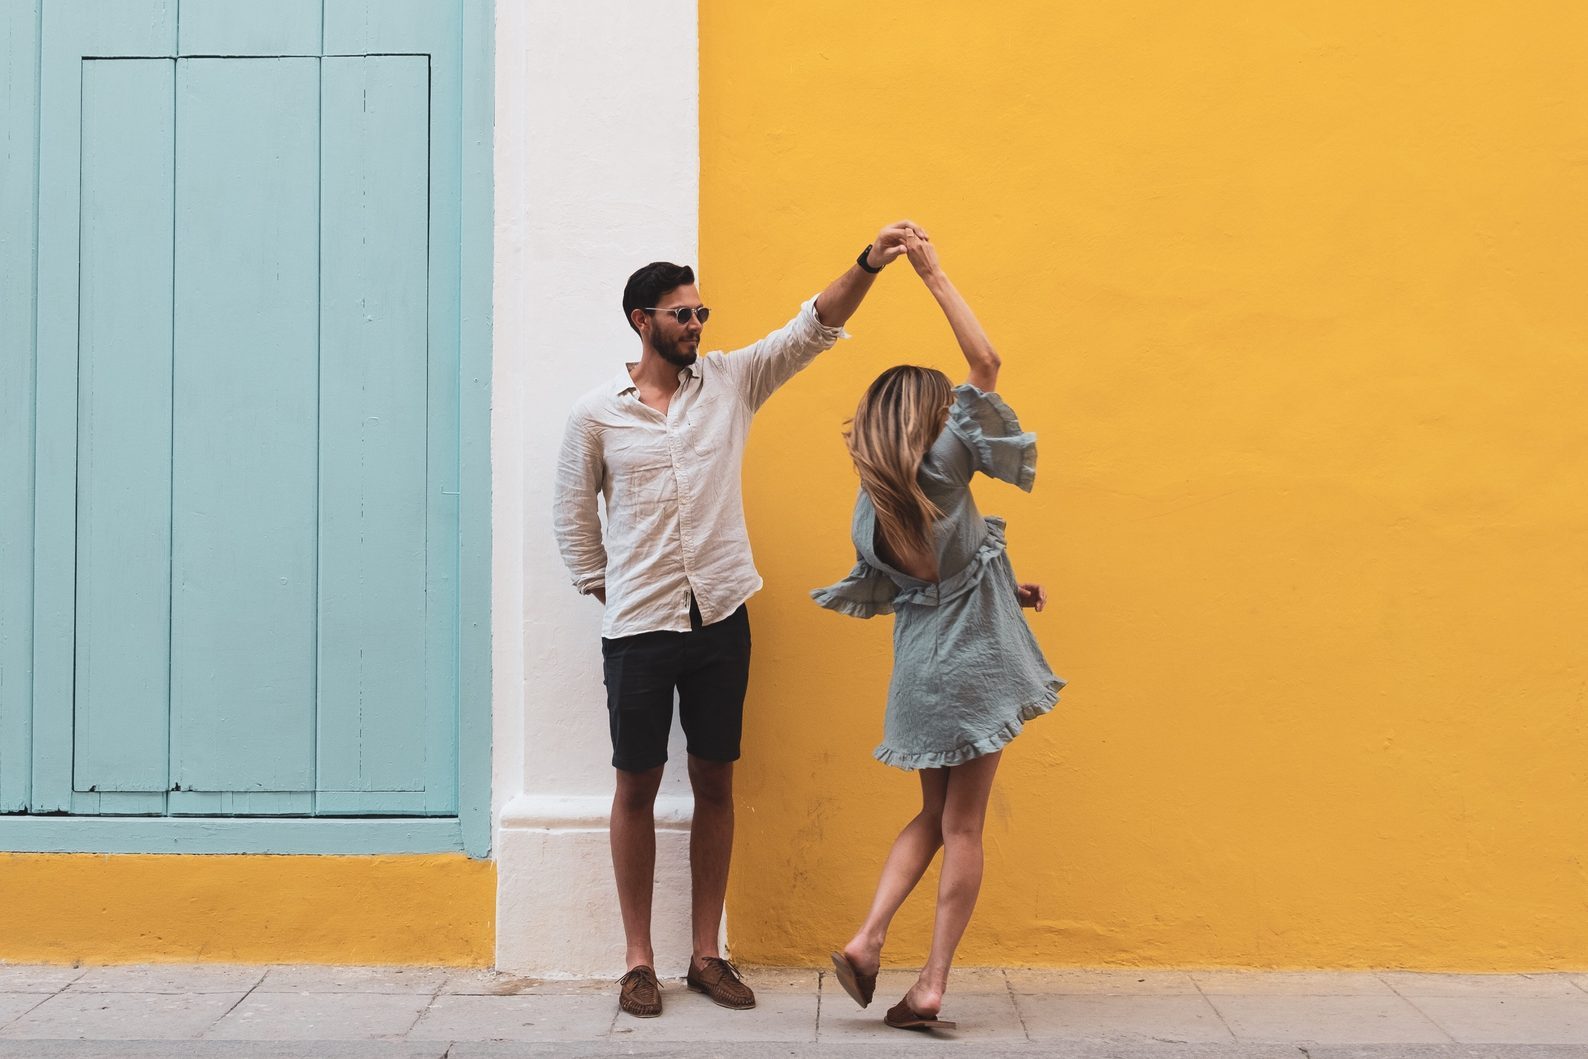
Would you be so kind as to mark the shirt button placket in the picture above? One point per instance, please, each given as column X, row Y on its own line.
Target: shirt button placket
column 684, row 509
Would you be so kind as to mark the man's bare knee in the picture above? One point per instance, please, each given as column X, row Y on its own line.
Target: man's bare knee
column 711, row 781
column 636, row 791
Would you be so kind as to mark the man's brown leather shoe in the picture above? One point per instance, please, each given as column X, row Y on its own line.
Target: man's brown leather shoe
column 640, row 994
column 720, row 980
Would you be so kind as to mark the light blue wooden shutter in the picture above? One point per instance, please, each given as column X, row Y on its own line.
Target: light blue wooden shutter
column 247, row 457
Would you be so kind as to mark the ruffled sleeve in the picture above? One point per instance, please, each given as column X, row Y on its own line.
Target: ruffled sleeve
column 991, row 431
column 865, row 593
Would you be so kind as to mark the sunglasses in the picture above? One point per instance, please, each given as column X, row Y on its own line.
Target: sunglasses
column 683, row 314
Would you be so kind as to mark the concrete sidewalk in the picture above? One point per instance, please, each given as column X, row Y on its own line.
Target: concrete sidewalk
column 233, row 1011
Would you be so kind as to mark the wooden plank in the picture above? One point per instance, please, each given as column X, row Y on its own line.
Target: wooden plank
column 432, row 27
column 55, row 834
column 124, row 426
column 245, row 430
column 118, row 803
column 476, row 225
column 373, row 425
column 415, row 27
column 365, row 803
column 71, row 30
column 241, row 803
column 248, row 27
column 19, row 27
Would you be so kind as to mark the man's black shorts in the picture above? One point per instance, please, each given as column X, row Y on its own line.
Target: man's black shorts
column 710, row 668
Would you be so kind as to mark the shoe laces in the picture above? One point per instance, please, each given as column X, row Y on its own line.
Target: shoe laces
column 728, row 965
column 640, row 973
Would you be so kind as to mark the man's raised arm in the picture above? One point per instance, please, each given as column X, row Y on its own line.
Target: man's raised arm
column 761, row 367
column 836, row 304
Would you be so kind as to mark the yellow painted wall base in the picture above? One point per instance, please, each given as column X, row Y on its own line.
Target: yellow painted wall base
column 93, row 908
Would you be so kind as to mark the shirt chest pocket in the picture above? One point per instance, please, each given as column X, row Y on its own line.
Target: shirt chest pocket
column 710, row 424
column 644, row 487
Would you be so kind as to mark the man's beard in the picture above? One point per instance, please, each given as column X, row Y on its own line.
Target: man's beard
column 669, row 351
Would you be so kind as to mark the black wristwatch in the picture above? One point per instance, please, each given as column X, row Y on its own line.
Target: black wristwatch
column 861, row 260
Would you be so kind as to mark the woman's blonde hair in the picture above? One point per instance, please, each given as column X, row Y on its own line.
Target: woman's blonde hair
column 899, row 417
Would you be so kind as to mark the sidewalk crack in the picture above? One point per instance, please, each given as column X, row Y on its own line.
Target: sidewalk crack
column 816, row 1030
column 1015, row 1001
column 1411, row 1002
column 429, row 1003
column 250, row 992
column 1203, row 993
column 24, row 1014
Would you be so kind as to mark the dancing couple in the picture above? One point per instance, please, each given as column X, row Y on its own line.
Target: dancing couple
column 662, row 445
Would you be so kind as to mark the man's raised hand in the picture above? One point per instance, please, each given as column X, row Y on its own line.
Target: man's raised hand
column 890, row 242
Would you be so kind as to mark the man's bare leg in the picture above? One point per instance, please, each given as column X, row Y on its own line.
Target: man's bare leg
column 633, row 831
column 710, row 850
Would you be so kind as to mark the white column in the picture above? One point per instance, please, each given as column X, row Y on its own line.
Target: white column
column 597, row 173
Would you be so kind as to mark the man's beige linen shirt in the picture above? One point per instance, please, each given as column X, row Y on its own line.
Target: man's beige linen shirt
column 671, row 484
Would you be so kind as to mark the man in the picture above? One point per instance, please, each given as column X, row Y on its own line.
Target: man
column 663, row 445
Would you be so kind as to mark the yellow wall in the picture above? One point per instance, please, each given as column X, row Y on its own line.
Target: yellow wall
column 1292, row 294
column 124, row 908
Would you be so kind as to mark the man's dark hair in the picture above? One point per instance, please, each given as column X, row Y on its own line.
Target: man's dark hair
column 650, row 283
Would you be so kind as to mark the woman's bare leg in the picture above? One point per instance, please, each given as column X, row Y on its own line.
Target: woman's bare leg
column 964, row 813
column 912, row 852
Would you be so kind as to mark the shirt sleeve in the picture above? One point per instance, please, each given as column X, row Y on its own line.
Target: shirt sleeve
column 760, row 368
column 580, row 476
column 991, row 433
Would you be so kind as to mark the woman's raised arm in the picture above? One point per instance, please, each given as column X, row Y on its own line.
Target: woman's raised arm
column 973, row 341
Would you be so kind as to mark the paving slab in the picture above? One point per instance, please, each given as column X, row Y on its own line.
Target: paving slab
column 895, row 982
column 1309, row 1019
column 31, row 978
column 1510, row 1020
column 1110, row 981
column 169, row 978
column 527, row 1017
column 1174, row 1018
column 117, row 1016
column 782, row 979
column 754, row 1050
column 305, row 979
column 911, row 1045
column 984, row 1016
column 320, row 1016
column 1417, row 984
column 779, row 1015
column 14, row 1004
column 1291, row 983
column 497, row 983
column 223, row 1050
column 1443, row 1051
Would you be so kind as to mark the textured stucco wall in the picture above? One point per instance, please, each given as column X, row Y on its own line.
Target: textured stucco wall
column 1292, row 296
column 596, row 174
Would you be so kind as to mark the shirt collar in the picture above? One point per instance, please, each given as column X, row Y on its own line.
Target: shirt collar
column 623, row 383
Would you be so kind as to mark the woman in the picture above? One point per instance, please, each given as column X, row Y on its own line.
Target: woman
column 967, row 673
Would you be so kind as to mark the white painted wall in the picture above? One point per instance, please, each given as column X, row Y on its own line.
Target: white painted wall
column 597, row 173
